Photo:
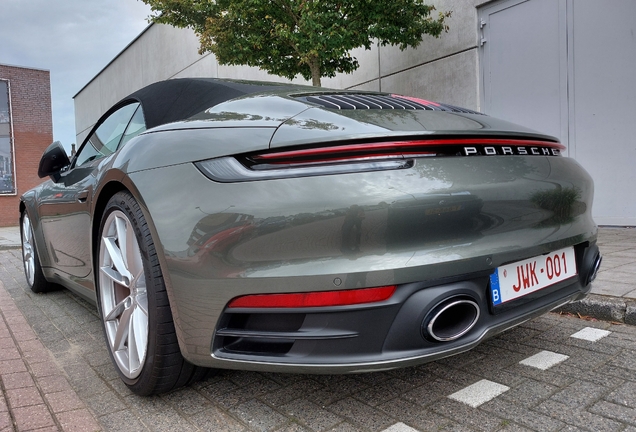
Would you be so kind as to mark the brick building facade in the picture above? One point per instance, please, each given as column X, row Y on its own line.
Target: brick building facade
column 26, row 129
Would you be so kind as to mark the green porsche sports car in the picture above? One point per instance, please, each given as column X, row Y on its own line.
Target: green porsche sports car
column 272, row 227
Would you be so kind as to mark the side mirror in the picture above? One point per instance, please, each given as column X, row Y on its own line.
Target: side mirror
column 53, row 161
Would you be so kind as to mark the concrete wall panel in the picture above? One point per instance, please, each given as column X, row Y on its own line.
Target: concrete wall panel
column 87, row 110
column 451, row 80
column 461, row 36
column 160, row 52
column 166, row 51
column 121, row 78
column 253, row 73
column 369, row 69
column 368, row 86
column 205, row 67
column 163, row 52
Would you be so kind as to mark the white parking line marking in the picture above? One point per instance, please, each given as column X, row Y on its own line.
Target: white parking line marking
column 544, row 360
column 590, row 334
column 400, row 427
column 479, row 393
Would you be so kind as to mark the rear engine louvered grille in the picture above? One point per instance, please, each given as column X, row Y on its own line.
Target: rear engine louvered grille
column 342, row 101
column 339, row 101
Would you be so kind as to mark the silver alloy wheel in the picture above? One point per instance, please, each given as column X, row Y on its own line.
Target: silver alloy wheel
column 122, row 287
column 27, row 249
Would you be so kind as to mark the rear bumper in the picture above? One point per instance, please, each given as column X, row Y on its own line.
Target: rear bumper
column 441, row 227
column 381, row 336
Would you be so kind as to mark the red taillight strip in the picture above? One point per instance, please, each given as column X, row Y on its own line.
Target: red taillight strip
column 396, row 145
column 358, row 157
column 314, row 299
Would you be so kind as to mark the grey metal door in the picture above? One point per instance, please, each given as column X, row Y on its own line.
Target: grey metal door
column 602, row 83
column 524, row 74
column 566, row 68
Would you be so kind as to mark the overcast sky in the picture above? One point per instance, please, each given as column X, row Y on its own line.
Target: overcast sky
column 73, row 39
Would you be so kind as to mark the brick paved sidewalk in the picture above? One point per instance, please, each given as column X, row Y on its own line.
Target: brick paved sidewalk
column 35, row 394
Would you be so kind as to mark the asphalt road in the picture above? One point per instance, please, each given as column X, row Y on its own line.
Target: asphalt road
column 553, row 373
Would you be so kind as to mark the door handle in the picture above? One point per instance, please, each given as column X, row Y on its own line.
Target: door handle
column 81, row 197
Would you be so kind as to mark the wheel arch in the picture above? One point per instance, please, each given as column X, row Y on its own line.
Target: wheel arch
column 28, row 205
column 22, row 209
column 102, row 196
column 105, row 193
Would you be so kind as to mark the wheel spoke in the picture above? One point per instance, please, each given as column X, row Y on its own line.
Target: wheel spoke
column 133, row 354
column 123, row 240
column 115, row 255
column 117, row 311
column 121, row 336
column 114, row 276
column 130, row 251
column 139, row 337
column 26, row 229
column 142, row 302
column 135, row 263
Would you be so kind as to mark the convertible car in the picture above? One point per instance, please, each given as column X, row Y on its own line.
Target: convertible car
column 271, row 227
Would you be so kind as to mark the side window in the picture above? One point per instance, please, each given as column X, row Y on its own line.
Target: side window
column 136, row 126
column 105, row 140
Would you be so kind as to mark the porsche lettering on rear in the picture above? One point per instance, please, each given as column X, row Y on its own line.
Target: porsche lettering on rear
column 510, row 150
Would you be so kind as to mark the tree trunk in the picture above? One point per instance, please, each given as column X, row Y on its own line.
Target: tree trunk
column 314, row 66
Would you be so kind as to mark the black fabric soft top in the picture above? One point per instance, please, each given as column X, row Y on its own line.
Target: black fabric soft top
column 179, row 99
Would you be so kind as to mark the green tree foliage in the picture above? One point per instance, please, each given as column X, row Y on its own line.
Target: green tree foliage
column 312, row 38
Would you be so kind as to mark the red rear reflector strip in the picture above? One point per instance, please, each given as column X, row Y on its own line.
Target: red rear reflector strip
column 344, row 158
column 399, row 145
column 314, row 299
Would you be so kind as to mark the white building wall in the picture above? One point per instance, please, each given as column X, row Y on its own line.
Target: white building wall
column 448, row 69
column 443, row 69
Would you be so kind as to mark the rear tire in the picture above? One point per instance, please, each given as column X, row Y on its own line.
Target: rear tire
column 133, row 303
column 32, row 268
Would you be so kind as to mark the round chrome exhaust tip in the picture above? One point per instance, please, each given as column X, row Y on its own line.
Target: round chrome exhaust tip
column 451, row 319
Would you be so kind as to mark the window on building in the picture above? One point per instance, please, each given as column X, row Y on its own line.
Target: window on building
column 7, row 177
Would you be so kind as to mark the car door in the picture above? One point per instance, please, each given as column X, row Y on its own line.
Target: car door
column 65, row 205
